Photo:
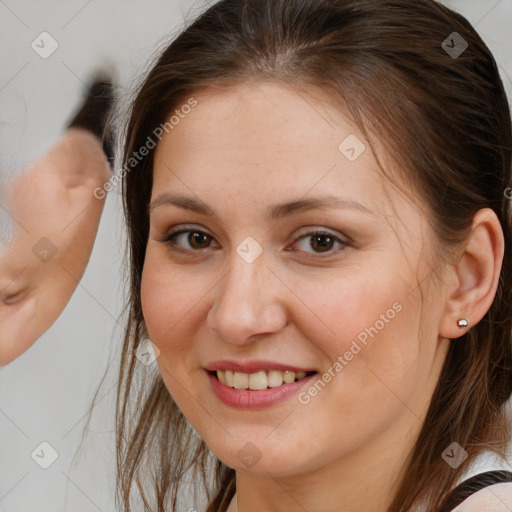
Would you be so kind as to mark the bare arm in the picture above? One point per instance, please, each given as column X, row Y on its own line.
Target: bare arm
column 56, row 218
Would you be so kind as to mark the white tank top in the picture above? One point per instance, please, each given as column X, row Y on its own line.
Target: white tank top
column 486, row 461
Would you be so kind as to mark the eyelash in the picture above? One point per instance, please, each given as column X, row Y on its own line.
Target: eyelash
column 168, row 240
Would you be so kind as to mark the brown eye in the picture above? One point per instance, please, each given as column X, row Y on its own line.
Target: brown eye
column 195, row 239
column 322, row 242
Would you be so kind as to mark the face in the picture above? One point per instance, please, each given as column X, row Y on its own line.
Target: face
column 334, row 288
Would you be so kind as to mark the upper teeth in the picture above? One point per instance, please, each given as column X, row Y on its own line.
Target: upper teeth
column 258, row 380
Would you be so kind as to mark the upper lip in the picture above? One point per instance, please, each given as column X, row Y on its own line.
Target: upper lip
column 253, row 366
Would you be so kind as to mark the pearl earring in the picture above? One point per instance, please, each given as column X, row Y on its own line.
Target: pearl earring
column 462, row 323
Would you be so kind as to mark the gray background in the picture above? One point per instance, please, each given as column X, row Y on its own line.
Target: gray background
column 46, row 393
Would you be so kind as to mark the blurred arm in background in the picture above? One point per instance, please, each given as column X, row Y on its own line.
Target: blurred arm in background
column 55, row 218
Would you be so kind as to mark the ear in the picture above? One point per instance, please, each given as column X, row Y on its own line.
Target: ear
column 471, row 283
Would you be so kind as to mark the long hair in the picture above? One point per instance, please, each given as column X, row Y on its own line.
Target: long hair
column 440, row 110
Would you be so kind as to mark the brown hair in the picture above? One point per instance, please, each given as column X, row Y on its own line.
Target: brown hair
column 445, row 122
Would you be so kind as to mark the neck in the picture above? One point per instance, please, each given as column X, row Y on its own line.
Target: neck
column 360, row 480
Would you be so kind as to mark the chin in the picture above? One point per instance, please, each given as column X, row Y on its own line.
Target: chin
column 261, row 457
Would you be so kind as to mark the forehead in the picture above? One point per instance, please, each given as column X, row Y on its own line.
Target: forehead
column 241, row 116
column 266, row 140
column 255, row 122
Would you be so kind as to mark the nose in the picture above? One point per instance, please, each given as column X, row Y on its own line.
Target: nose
column 249, row 302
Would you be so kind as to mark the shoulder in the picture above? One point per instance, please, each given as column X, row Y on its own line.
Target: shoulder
column 495, row 498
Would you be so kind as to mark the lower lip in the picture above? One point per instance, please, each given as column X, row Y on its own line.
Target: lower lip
column 250, row 399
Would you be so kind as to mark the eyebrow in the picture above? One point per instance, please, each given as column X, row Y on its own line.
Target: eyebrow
column 276, row 212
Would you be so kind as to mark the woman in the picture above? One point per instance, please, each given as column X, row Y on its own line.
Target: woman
column 320, row 251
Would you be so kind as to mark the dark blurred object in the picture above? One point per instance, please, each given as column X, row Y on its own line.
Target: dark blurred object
column 94, row 112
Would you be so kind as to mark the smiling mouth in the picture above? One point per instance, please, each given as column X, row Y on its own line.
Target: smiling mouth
column 259, row 380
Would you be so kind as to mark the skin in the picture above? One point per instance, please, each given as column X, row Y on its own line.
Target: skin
column 241, row 150
column 53, row 199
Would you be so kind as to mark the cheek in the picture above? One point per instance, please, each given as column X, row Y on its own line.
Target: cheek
column 367, row 330
column 168, row 301
column 170, row 305
column 337, row 313
column 154, row 301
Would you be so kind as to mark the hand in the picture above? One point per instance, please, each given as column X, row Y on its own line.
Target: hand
column 54, row 210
